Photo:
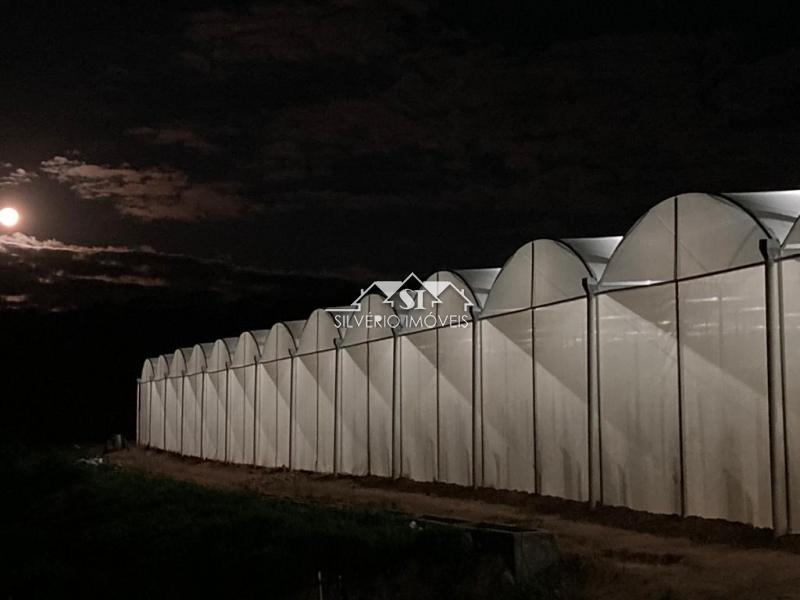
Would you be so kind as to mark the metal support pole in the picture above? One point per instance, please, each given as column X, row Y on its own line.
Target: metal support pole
column 593, row 392
column 477, row 401
column 292, row 415
column 138, row 408
column 777, row 429
column 164, row 416
column 337, row 407
column 227, row 406
column 150, row 413
column 255, row 411
column 183, row 391
column 202, row 408
column 397, row 425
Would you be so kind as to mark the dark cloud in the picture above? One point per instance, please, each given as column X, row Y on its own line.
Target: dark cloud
column 173, row 136
column 300, row 32
column 154, row 193
column 54, row 276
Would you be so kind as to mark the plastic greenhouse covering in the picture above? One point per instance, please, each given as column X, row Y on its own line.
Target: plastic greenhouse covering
column 275, row 375
column 654, row 371
column 242, row 393
column 314, row 395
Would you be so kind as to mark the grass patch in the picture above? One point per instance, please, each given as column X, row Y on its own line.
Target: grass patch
column 75, row 530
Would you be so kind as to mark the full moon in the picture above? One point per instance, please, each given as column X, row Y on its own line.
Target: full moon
column 9, row 217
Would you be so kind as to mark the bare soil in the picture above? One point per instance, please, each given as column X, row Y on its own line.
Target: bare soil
column 624, row 554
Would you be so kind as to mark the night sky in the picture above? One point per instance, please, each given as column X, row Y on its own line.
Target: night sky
column 184, row 149
column 188, row 172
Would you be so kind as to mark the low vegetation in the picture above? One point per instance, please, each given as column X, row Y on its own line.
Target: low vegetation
column 73, row 529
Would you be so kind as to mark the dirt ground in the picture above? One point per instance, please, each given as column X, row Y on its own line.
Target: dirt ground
column 625, row 554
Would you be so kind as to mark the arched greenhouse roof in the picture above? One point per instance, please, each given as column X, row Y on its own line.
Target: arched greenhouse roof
column 282, row 340
column 148, row 369
column 162, row 365
column 198, row 358
column 777, row 212
column 221, row 353
column 546, row 271
column 457, row 293
column 359, row 329
column 180, row 358
column 696, row 234
column 319, row 333
column 249, row 347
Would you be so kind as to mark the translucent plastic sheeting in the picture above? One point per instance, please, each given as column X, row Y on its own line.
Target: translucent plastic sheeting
column 158, row 395
column 507, row 402
column 418, row 406
column 283, row 389
column 267, row 430
column 215, row 400
column 547, row 271
column 192, row 397
column 158, row 401
column 647, row 252
column 776, row 211
column 144, row 413
column 381, row 395
column 366, row 380
column 558, row 273
column 274, row 393
column 193, row 400
column 241, row 405
column 274, row 413
column 366, row 406
column 594, row 251
column 560, row 356
column 714, row 234
column 639, row 413
column 242, row 390
column 513, row 288
column 326, row 410
column 145, row 387
column 241, row 400
column 791, row 325
column 455, row 404
column 726, row 419
column 173, row 411
column 454, row 378
column 354, row 411
column 315, row 394
column 306, row 415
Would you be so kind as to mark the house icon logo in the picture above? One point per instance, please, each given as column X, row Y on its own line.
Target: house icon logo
column 409, row 294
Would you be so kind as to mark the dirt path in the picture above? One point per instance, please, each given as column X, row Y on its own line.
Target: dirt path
column 626, row 554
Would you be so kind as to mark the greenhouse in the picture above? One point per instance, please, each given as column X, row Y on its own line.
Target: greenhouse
column 143, row 393
column 533, row 355
column 314, row 409
column 158, row 400
column 653, row 371
column 436, row 382
column 275, row 375
column 215, row 399
column 365, row 424
column 173, row 402
column 242, row 394
column 193, row 395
